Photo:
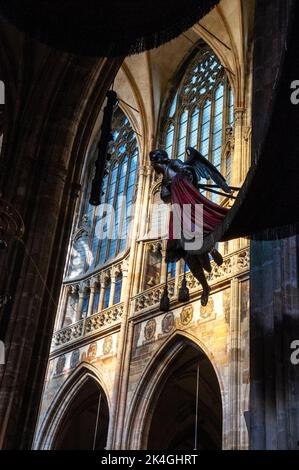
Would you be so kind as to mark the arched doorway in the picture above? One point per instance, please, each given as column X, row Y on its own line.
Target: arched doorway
column 84, row 425
column 186, row 411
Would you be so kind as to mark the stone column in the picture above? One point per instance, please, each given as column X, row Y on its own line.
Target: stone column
column 274, row 265
column 124, row 284
column 274, row 326
column 91, row 300
column 80, row 306
column 177, row 278
column 164, row 264
column 102, row 292
column 145, row 173
column 138, row 275
column 112, row 289
column 63, row 302
column 237, row 161
column 232, row 441
column 118, row 408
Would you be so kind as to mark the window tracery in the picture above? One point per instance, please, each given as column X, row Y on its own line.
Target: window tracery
column 200, row 111
column 108, row 224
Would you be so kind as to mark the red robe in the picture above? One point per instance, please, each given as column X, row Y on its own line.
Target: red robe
column 183, row 192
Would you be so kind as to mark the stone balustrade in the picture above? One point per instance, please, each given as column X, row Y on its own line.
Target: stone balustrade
column 87, row 326
column 233, row 265
column 152, row 296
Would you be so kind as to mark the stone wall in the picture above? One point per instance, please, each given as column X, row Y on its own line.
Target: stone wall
column 274, row 298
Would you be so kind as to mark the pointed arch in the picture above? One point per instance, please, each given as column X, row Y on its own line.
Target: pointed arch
column 108, row 224
column 152, row 381
column 62, row 401
column 199, row 109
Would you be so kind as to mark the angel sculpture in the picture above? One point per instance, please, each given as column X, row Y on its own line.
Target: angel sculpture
column 180, row 187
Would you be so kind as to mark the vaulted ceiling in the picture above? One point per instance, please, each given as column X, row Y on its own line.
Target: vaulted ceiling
column 144, row 80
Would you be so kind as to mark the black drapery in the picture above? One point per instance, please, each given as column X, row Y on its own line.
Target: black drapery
column 267, row 205
column 104, row 28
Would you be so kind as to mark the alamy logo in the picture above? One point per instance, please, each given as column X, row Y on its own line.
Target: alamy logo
column 295, row 94
column 2, row 353
column 2, row 92
column 295, row 354
column 186, row 222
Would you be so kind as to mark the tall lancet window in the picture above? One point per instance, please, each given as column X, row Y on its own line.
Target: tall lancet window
column 112, row 218
column 200, row 111
column 103, row 231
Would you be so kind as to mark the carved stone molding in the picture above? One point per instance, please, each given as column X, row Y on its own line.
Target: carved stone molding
column 233, row 265
column 87, row 326
column 239, row 113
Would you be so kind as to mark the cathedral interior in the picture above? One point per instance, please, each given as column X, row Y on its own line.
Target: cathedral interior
column 90, row 358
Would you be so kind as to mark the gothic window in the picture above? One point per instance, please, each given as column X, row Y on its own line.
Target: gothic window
column 153, row 266
column 117, row 292
column 186, row 268
column 78, row 256
column 171, row 269
column 107, row 294
column 159, row 216
column 96, row 301
column 71, row 308
column 201, row 111
column 111, row 220
column 85, row 304
column 225, row 248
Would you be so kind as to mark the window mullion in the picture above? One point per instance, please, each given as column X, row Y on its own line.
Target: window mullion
column 200, row 122
column 210, row 154
column 176, row 132
column 109, row 176
column 188, row 129
column 224, row 124
column 121, row 220
column 113, row 204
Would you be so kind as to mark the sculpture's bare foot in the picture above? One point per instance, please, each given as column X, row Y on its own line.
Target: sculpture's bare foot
column 205, row 297
column 217, row 257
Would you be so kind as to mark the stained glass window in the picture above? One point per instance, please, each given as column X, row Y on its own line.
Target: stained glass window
column 71, row 308
column 117, row 292
column 111, row 220
column 85, row 304
column 96, row 301
column 107, row 294
column 200, row 111
column 79, row 254
column 153, row 269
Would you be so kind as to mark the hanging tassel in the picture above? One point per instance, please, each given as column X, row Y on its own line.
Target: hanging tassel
column 184, row 291
column 102, row 157
column 164, row 301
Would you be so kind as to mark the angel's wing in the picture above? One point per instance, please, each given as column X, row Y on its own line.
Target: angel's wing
column 204, row 169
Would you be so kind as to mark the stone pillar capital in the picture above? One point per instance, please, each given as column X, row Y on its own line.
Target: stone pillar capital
column 125, row 268
column 239, row 112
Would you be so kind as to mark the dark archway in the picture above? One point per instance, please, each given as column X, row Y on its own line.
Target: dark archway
column 173, row 418
column 86, row 416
